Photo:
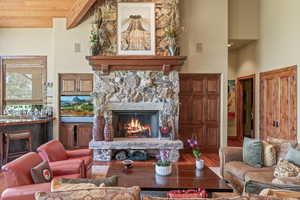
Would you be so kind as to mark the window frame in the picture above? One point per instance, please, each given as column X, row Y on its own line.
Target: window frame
column 43, row 60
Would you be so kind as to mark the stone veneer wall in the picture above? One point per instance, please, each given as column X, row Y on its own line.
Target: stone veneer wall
column 139, row 90
column 166, row 14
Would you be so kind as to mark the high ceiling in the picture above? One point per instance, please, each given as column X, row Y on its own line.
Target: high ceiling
column 32, row 13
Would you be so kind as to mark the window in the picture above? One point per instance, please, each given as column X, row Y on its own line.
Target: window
column 23, row 80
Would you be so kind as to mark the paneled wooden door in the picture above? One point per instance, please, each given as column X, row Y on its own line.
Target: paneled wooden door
column 278, row 103
column 200, row 110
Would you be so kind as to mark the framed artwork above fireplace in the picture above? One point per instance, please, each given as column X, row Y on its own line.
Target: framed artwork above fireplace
column 136, row 28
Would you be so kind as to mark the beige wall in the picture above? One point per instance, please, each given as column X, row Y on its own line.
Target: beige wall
column 279, row 38
column 244, row 19
column 205, row 22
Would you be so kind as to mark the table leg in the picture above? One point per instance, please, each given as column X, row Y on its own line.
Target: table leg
column 1, row 149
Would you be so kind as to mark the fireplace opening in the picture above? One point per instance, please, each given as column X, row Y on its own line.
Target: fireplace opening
column 135, row 124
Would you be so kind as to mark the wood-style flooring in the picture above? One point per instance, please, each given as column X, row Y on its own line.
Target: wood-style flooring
column 210, row 160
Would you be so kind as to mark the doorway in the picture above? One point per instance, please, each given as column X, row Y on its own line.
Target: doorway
column 245, row 107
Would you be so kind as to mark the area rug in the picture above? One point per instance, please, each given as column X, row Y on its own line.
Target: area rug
column 216, row 170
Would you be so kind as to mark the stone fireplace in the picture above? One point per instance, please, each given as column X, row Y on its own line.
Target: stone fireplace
column 137, row 101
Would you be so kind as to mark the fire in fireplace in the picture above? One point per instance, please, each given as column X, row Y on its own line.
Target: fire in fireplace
column 135, row 124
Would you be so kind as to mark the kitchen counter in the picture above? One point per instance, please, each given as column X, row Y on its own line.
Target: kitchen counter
column 41, row 129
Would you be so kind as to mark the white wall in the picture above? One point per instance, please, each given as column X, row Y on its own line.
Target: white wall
column 206, row 22
column 279, row 38
column 244, row 19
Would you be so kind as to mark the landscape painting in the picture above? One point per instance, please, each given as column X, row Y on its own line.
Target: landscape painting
column 136, row 28
column 76, row 106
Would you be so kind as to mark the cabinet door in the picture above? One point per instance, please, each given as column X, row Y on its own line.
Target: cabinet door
column 68, row 84
column 85, row 84
column 66, row 135
column 84, row 135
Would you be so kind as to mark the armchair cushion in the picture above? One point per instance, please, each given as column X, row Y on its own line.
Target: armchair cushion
column 263, row 177
column 17, row 172
column 24, row 192
column 79, row 153
column 239, row 169
column 86, row 159
column 228, row 154
column 53, row 151
column 60, row 168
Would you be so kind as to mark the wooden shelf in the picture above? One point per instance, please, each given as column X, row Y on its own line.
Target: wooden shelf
column 127, row 63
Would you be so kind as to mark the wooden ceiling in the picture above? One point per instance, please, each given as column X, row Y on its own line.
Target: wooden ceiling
column 32, row 13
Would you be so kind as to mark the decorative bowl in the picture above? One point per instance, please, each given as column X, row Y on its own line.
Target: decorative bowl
column 127, row 163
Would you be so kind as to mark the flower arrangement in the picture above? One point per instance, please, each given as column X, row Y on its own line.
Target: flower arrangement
column 163, row 166
column 163, row 158
column 194, row 145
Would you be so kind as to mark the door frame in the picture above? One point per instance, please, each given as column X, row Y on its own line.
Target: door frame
column 239, row 104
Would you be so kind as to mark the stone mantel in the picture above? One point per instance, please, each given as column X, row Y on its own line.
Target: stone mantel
column 134, row 63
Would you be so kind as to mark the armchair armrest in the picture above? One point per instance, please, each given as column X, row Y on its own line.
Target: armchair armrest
column 67, row 167
column 79, row 153
column 228, row 154
column 25, row 191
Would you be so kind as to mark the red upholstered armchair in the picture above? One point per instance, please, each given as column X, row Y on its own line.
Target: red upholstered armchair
column 18, row 179
column 54, row 152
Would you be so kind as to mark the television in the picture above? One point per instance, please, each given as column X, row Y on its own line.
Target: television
column 76, row 106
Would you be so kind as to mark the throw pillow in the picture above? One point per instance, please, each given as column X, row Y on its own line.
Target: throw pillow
column 285, row 169
column 252, row 152
column 282, row 194
column 269, row 154
column 57, row 186
column 41, row 173
column 106, row 193
column 293, row 156
column 109, row 182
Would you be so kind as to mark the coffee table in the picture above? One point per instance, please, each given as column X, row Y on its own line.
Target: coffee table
column 182, row 177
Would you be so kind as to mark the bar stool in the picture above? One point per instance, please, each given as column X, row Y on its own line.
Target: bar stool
column 13, row 136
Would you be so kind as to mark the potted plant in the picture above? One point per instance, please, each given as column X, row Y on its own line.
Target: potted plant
column 171, row 35
column 163, row 166
column 196, row 152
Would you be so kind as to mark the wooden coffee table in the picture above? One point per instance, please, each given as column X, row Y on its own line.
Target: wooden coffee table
column 182, row 177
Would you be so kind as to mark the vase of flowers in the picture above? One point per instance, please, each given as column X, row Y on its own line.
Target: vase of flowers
column 196, row 152
column 163, row 166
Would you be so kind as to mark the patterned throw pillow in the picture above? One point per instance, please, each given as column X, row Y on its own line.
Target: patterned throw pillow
column 269, row 154
column 293, row 156
column 286, row 169
column 57, row 185
column 106, row 193
column 252, row 152
column 41, row 173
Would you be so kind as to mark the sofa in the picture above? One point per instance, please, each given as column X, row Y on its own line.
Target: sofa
column 237, row 173
column 54, row 151
column 18, row 178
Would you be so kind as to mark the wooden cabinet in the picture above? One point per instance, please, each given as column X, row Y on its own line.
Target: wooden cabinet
column 74, row 135
column 76, row 84
column 200, row 110
column 278, row 103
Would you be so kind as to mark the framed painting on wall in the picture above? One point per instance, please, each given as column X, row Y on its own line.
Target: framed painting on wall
column 136, row 28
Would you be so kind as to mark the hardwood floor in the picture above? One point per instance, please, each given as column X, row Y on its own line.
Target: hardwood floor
column 210, row 159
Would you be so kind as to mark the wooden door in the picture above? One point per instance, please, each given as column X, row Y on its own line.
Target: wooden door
column 278, row 100
column 76, row 84
column 67, row 134
column 84, row 135
column 200, row 110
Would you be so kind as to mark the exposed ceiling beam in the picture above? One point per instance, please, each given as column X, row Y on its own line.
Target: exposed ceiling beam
column 78, row 11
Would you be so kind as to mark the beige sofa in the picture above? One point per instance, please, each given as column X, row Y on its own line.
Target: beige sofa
column 237, row 173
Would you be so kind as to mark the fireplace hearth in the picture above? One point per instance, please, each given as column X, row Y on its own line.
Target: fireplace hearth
column 135, row 124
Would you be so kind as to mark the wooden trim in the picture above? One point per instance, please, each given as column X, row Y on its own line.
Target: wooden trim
column 275, row 71
column 127, row 63
column 78, row 11
column 239, row 103
column 2, row 75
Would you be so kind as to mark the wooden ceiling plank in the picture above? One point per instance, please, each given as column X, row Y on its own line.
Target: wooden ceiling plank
column 78, row 11
column 26, row 22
